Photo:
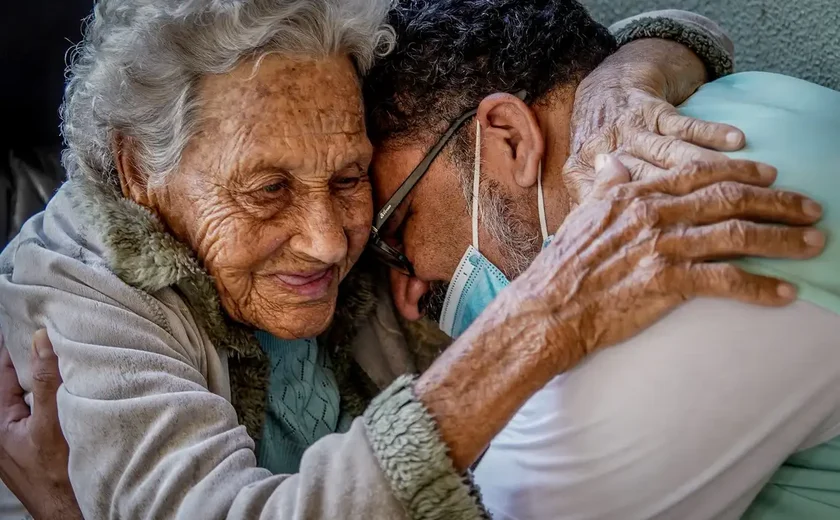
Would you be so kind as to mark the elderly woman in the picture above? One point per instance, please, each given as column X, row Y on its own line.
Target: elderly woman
column 194, row 275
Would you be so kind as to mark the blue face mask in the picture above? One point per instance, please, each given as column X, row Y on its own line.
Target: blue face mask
column 477, row 281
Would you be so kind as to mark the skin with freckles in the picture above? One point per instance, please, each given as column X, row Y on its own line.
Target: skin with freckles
column 272, row 193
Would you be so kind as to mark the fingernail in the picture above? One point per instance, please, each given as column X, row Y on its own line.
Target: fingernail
column 733, row 139
column 812, row 209
column 41, row 343
column 814, row 238
column 600, row 161
column 786, row 291
column 767, row 173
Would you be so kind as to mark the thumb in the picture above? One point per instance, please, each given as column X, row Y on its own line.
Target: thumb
column 609, row 173
column 45, row 376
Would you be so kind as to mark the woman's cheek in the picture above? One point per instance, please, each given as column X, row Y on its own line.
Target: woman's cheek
column 358, row 211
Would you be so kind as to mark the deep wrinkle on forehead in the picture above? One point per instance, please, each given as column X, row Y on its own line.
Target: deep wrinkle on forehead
column 303, row 117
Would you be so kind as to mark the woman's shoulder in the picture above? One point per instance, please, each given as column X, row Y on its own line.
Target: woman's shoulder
column 66, row 263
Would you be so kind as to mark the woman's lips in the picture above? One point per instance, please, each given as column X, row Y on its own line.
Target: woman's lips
column 313, row 285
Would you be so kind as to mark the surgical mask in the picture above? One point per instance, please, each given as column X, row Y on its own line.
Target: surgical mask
column 477, row 281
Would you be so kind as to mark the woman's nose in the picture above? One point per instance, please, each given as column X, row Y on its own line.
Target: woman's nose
column 320, row 233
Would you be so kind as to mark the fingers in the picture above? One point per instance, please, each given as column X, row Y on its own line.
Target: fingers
column 730, row 200
column 46, row 380
column 727, row 281
column 578, row 177
column 12, row 406
column 715, row 136
column 609, row 173
column 697, row 175
column 667, row 151
column 641, row 170
column 736, row 238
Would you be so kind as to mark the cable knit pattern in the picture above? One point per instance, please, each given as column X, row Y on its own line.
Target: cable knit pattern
column 303, row 401
column 717, row 59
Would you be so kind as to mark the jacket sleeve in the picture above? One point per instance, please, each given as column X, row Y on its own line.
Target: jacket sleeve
column 149, row 440
column 696, row 32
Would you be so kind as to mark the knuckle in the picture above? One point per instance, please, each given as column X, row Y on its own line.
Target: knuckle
column 728, row 193
column 729, row 275
column 622, row 192
column 693, row 168
column 688, row 127
column 657, row 116
column 643, row 210
column 665, row 146
column 739, row 233
column 787, row 200
column 45, row 377
column 747, row 168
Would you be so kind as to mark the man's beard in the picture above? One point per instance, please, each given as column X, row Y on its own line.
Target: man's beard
column 431, row 303
column 519, row 242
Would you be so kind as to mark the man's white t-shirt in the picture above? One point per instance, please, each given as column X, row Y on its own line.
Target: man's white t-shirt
column 685, row 421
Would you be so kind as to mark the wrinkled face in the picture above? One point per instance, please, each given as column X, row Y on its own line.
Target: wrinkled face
column 273, row 193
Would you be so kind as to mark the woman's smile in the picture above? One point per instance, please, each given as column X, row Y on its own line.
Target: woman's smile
column 313, row 284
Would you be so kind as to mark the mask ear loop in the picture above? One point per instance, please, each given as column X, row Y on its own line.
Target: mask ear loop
column 541, row 205
column 476, row 175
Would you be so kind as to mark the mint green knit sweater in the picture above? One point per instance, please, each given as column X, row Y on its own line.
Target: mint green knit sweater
column 302, row 404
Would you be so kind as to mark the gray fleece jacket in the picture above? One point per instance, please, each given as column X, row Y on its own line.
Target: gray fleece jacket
column 163, row 395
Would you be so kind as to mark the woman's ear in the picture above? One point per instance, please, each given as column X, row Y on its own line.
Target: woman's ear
column 132, row 180
column 512, row 133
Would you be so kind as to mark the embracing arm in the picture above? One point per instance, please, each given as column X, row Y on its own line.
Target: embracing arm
column 695, row 33
column 665, row 56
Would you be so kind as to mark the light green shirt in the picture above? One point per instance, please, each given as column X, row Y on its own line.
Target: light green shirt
column 795, row 126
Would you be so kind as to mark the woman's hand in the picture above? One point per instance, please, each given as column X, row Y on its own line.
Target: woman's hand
column 634, row 251
column 33, row 453
column 631, row 97
column 623, row 259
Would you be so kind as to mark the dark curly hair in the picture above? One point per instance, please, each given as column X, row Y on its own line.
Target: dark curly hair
column 450, row 54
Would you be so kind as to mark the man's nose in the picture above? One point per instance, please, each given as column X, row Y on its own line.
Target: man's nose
column 320, row 233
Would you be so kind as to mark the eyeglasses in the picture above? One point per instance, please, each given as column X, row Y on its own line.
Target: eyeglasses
column 384, row 252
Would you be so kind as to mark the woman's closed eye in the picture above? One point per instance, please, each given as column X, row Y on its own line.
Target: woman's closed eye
column 348, row 180
column 274, row 187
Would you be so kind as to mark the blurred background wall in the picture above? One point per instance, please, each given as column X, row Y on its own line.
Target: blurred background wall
column 796, row 37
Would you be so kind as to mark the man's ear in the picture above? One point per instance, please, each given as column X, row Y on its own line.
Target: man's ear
column 406, row 292
column 511, row 127
column 132, row 180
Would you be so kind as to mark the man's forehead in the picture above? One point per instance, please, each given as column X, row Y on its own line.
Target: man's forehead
column 391, row 165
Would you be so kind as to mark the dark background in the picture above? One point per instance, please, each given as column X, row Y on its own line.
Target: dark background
column 34, row 37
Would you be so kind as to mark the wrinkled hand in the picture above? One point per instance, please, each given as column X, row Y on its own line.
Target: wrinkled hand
column 626, row 105
column 33, row 452
column 634, row 251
